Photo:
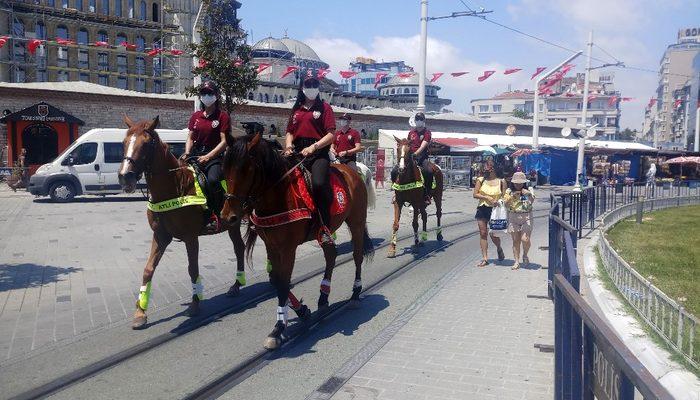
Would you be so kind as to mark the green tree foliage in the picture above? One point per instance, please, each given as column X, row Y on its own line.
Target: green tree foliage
column 521, row 114
column 627, row 135
column 223, row 54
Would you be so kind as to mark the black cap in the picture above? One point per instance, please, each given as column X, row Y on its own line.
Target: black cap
column 209, row 87
column 346, row 117
column 312, row 82
column 252, row 128
column 419, row 116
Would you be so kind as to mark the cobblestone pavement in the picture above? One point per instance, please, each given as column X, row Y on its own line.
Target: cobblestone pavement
column 471, row 337
column 70, row 269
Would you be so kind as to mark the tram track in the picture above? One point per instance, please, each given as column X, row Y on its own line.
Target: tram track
column 259, row 359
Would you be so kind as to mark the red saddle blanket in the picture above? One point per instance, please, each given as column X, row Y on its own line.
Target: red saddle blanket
column 301, row 202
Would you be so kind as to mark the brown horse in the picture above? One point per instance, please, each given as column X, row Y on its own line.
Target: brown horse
column 257, row 177
column 166, row 178
column 409, row 190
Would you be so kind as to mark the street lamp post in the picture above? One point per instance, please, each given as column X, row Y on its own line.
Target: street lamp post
column 584, row 112
column 196, row 79
column 423, row 54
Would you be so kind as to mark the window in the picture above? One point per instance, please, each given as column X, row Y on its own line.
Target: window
column 406, row 91
column 122, row 83
column 114, row 153
column 140, row 43
column 20, row 75
column 260, row 97
column 275, row 99
column 84, row 77
column 140, row 66
column 79, row 5
column 541, row 107
column 251, row 96
column 83, row 37
column 156, row 43
column 102, row 36
column 92, row 5
column 156, row 66
column 393, row 91
column 18, row 28
column 157, row 87
column 62, row 57
column 118, row 8
column 414, row 91
column 50, row 3
column 63, row 76
column 62, row 32
column 40, row 30
column 473, row 110
column 105, row 7
column 102, row 61
column 121, row 38
column 122, row 64
column 103, row 80
column 83, row 62
column 176, row 148
column 140, row 84
column 496, row 108
column 131, row 9
column 42, row 76
column 281, row 99
column 142, row 13
column 20, row 53
column 155, row 12
column 64, row 3
column 484, row 108
column 84, row 154
column 267, row 98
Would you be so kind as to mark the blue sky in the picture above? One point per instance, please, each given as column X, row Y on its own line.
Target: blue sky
column 634, row 31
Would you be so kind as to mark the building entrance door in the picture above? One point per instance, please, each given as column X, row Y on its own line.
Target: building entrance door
column 41, row 142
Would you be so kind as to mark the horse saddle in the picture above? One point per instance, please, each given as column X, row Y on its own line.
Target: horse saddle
column 214, row 200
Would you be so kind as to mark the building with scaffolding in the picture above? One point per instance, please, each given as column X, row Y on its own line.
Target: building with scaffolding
column 128, row 44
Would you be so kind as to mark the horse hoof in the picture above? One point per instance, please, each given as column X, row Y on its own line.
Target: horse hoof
column 193, row 309
column 391, row 254
column 354, row 304
column 272, row 343
column 439, row 237
column 233, row 291
column 322, row 307
column 304, row 313
column 139, row 323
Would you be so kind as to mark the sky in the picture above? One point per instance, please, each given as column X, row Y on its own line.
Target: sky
column 635, row 32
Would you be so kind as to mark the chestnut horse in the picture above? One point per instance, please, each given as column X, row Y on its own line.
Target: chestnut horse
column 409, row 190
column 167, row 178
column 257, row 179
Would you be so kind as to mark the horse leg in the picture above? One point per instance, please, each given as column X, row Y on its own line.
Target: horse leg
column 158, row 245
column 192, row 246
column 239, row 248
column 330, row 253
column 395, row 228
column 416, row 211
column 280, row 278
column 438, row 214
column 424, row 218
column 359, row 236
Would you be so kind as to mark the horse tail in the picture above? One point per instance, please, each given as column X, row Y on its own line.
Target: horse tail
column 250, row 237
column 367, row 246
column 371, row 194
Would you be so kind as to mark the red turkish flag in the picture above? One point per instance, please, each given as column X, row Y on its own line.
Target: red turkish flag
column 569, row 94
column 456, row 74
column 128, row 46
column 101, row 44
column 486, row 75
column 537, row 72
column 322, row 72
column 238, row 62
column 202, row 63
column 154, row 52
column 591, row 97
column 33, row 45
column 436, row 76
column 64, row 42
column 612, row 101
column 404, row 75
column 347, row 74
column 545, row 91
column 288, row 71
column 262, row 67
column 3, row 40
column 512, row 71
column 176, row 52
column 627, row 99
column 652, row 101
column 677, row 103
column 566, row 68
column 378, row 78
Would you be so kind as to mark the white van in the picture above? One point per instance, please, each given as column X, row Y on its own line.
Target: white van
column 91, row 165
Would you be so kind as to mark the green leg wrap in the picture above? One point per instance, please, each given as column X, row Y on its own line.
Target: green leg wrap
column 268, row 266
column 439, row 231
column 145, row 296
column 423, row 236
column 334, row 236
column 198, row 288
column 240, row 278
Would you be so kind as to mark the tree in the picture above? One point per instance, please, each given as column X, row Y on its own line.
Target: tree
column 223, row 54
column 627, row 135
column 521, row 114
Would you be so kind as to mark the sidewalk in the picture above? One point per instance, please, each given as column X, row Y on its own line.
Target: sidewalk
column 471, row 337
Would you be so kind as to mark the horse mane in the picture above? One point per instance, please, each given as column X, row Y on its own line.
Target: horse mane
column 267, row 152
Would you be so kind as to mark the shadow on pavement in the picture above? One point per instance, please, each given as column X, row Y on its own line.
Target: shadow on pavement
column 344, row 324
column 16, row 276
column 91, row 199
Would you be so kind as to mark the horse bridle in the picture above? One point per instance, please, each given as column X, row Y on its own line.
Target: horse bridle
column 147, row 159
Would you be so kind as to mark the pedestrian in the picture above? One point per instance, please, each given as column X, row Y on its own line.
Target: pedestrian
column 273, row 131
column 379, row 173
column 489, row 189
column 651, row 180
column 364, row 133
column 20, row 172
column 346, row 143
column 519, row 199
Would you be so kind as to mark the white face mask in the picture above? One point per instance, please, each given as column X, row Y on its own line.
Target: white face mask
column 420, row 124
column 310, row 93
column 342, row 123
column 208, row 99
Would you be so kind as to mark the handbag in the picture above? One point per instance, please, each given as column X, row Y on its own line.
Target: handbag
column 498, row 224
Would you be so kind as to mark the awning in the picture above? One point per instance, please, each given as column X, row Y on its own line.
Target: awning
column 446, row 146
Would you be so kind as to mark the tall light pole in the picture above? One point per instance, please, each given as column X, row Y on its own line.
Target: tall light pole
column 196, row 79
column 423, row 54
column 696, row 144
column 584, row 112
column 536, row 112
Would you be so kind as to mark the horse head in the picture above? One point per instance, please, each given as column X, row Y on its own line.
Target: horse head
column 139, row 145
column 243, row 174
column 404, row 155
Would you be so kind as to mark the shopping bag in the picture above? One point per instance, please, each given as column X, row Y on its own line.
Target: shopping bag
column 499, row 220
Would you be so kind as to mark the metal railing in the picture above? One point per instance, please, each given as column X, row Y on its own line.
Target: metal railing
column 581, row 209
column 590, row 360
column 670, row 320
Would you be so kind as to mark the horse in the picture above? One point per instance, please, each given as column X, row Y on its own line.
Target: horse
column 366, row 174
column 259, row 182
column 409, row 190
column 169, row 180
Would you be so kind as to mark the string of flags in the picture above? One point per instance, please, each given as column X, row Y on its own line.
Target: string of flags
column 34, row 44
column 437, row 75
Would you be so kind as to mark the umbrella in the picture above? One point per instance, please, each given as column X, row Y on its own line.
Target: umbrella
column 483, row 149
column 683, row 160
column 523, row 152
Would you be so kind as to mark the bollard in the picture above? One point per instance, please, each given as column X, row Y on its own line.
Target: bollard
column 640, row 208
